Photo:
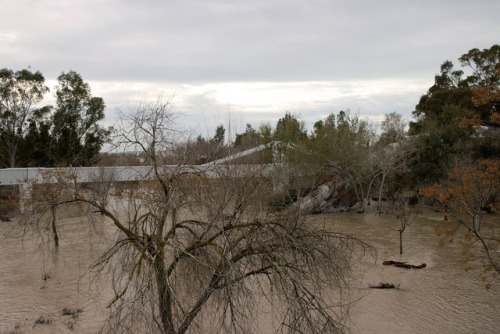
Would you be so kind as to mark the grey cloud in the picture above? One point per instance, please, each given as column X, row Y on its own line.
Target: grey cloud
column 207, row 41
column 173, row 43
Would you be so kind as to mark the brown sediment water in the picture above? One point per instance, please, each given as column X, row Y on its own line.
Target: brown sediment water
column 36, row 281
column 441, row 298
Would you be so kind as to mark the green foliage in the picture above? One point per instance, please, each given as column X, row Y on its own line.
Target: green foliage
column 344, row 141
column 448, row 115
column 323, row 135
column 342, row 138
column 450, row 88
column 77, row 136
column 252, row 138
column 34, row 149
column 20, row 92
column 485, row 84
column 248, row 139
column 290, row 129
column 485, row 65
column 31, row 136
column 393, row 129
column 219, row 134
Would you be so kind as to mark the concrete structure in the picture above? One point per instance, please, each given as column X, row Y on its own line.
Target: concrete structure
column 26, row 177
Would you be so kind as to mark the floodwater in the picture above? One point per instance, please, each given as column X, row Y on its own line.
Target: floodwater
column 36, row 283
column 441, row 298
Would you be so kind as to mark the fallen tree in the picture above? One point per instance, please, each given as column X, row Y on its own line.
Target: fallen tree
column 327, row 197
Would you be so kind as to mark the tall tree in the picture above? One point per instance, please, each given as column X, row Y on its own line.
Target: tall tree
column 448, row 115
column 20, row 92
column 449, row 89
column 484, row 80
column 441, row 138
column 76, row 133
column 323, row 134
column 393, row 128
column 485, row 84
column 219, row 135
column 351, row 152
column 290, row 129
column 392, row 156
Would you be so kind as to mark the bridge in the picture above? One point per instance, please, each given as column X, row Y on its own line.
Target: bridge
column 26, row 177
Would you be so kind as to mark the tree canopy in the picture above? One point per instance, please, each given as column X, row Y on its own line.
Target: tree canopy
column 449, row 115
column 76, row 133
column 66, row 134
column 20, row 93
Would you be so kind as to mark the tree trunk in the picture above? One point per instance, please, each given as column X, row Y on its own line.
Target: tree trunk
column 54, row 226
column 401, row 241
column 164, row 296
column 368, row 192
column 359, row 195
column 380, row 191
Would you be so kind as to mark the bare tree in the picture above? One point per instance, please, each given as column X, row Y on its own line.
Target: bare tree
column 43, row 213
column 197, row 250
column 52, row 188
column 405, row 212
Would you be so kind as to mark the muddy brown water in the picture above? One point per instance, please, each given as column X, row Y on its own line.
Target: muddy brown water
column 36, row 283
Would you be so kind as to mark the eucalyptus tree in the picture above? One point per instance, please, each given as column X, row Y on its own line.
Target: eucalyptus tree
column 485, row 83
column 200, row 250
column 449, row 113
column 76, row 133
column 20, row 93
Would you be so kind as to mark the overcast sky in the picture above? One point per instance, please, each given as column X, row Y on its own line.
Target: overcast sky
column 248, row 61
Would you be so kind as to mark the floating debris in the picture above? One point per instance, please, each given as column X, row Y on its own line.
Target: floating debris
column 406, row 265
column 384, row 285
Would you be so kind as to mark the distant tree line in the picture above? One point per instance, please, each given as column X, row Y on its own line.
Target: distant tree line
column 456, row 120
